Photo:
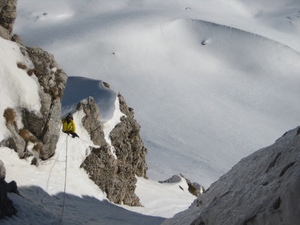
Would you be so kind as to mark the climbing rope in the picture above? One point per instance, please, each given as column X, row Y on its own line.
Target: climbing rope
column 55, row 160
column 65, row 183
column 88, row 143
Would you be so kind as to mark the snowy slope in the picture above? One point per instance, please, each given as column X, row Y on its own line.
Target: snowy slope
column 210, row 82
column 58, row 190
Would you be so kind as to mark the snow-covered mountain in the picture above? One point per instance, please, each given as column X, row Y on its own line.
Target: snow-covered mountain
column 210, row 82
column 59, row 190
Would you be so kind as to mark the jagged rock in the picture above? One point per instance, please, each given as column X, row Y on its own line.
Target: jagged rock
column 8, row 14
column 127, row 142
column 194, row 188
column 91, row 120
column 4, row 33
column 46, row 125
column 16, row 38
column 116, row 177
column 15, row 141
column 263, row 188
column 113, row 176
column 6, row 205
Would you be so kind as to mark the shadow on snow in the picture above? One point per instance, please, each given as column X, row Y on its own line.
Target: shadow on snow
column 37, row 207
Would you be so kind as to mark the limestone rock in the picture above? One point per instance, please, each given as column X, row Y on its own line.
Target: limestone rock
column 8, row 14
column 4, row 33
column 114, row 176
column 6, row 205
column 127, row 142
column 91, row 120
column 45, row 124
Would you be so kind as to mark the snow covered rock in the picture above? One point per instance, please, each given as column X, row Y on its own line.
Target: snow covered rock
column 193, row 187
column 263, row 188
column 113, row 176
column 8, row 15
column 126, row 139
column 44, row 124
column 91, row 120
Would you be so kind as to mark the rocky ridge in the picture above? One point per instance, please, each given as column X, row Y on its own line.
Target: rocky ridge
column 40, row 128
column 114, row 167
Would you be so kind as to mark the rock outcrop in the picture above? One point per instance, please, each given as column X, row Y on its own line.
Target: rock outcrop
column 193, row 187
column 43, row 126
column 8, row 14
column 91, row 120
column 263, row 188
column 52, row 79
column 126, row 139
column 114, row 175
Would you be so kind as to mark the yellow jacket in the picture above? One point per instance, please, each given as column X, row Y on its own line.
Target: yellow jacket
column 68, row 126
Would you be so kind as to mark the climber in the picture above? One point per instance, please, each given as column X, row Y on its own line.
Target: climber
column 69, row 126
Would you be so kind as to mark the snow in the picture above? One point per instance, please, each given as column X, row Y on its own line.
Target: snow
column 20, row 95
column 210, row 82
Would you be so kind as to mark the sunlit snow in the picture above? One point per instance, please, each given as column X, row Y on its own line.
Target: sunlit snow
column 210, row 82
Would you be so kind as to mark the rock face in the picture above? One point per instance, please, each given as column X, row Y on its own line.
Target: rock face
column 263, row 188
column 91, row 121
column 43, row 127
column 115, row 176
column 52, row 80
column 126, row 139
column 8, row 15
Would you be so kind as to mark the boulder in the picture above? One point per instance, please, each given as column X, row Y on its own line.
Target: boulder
column 52, row 79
